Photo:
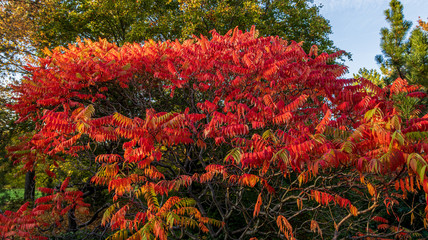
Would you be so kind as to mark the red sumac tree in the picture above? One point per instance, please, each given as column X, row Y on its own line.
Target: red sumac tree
column 235, row 137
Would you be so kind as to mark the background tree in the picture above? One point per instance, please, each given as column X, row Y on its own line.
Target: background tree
column 20, row 36
column 417, row 57
column 10, row 133
column 135, row 21
column 402, row 57
column 20, row 41
column 372, row 75
column 290, row 19
column 5, row 136
column 393, row 42
column 118, row 21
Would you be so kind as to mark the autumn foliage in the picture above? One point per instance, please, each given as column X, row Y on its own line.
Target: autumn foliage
column 238, row 136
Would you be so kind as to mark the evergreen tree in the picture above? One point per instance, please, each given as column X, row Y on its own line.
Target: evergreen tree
column 393, row 43
column 402, row 57
column 371, row 75
column 417, row 58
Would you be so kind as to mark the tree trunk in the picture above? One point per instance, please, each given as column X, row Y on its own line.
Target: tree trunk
column 30, row 186
column 72, row 224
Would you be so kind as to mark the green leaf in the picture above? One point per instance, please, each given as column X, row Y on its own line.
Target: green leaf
column 369, row 114
column 395, row 121
column 283, row 155
column 126, row 67
column 268, row 133
column 347, row 147
column 236, row 154
column 418, row 164
column 421, row 172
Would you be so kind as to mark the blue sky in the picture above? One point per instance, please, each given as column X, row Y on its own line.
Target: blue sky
column 356, row 26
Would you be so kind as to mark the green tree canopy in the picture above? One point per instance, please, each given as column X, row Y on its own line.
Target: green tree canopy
column 401, row 56
column 135, row 21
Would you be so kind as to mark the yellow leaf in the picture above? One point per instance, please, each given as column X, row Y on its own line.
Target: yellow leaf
column 371, row 189
column 354, row 210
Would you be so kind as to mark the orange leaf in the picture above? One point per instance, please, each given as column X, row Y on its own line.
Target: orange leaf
column 258, row 204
